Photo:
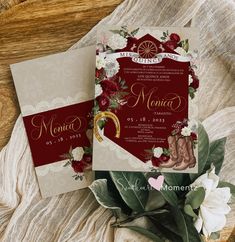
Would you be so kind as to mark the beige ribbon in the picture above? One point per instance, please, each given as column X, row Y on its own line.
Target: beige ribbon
column 110, row 115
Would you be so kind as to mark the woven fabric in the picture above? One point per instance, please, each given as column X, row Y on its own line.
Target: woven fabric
column 76, row 216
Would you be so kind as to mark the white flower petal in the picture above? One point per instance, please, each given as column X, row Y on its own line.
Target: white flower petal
column 221, row 194
column 111, row 67
column 198, row 223
column 116, row 41
column 215, row 179
column 157, row 152
column 211, row 222
column 98, row 90
column 181, row 51
column 77, row 153
column 217, row 208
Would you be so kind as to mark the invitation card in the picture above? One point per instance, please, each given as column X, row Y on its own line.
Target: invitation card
column 146, row 88
column 56, row 99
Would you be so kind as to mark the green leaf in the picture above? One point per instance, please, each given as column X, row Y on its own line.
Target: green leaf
column 126, row 183
column 145, row 232
column 203, row 151
column 169, row 195
column 134, row 32
column 188, row 210
column 164, row 230
column 155, row 200
column 101, row 123
column 195, row 197
column 181, row 224
column 100, row 190
column 113, row 190
column 192, row 232
column 228, row 184
column 215, row 235
column 173, row 179
column 216, row 155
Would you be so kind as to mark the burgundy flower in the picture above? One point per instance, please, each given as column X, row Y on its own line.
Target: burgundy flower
column 109, row 87
column 171, row 44
column 193, row 136
column 131, row 41
column 103, row 102
column 78, row 166
column 175, row 37
column 87, row 158
column 164, row 158
column 195, row 83
column 98, row 73
column 155, row 161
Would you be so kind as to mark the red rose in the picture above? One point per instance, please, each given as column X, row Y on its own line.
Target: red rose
column 175, row 37
column 87, row 158
column 193, row 136
column 164, row 158
column 171, row 44
column 78, row 166
column 98, row 73
column 195, row 83
column 103, row 102
column 155, row 161
column 130, row 42
column 109, row 87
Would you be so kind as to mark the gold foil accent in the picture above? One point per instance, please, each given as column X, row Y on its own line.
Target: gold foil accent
column 110, row 115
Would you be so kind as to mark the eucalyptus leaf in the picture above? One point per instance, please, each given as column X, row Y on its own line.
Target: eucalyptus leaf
column 132, row 187
column 169, row 195
column 100, row 190
column 145, row 232
column 181, row 223
column 195, row 197
column 216, row 155
column 203, row 151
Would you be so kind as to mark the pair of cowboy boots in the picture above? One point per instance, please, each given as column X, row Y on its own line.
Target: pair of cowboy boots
column 181, row 153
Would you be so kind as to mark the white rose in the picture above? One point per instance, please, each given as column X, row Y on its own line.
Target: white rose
column 157, row 152
column 111, row 67
column 190, row 79
column 181, row 51
column 116, row 41
column 192, row 124
column 212, row 211
column 77, row 153
column 98, row 90
column 186, row 131
column 100, row 62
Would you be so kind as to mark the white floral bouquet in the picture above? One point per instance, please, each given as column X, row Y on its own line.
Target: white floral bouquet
column 188, row 207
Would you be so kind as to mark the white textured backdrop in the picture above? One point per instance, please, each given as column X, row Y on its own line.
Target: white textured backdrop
column 76, row 216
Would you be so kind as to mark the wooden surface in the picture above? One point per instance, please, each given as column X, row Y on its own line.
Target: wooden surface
column 29, row 29
column 33, row 28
